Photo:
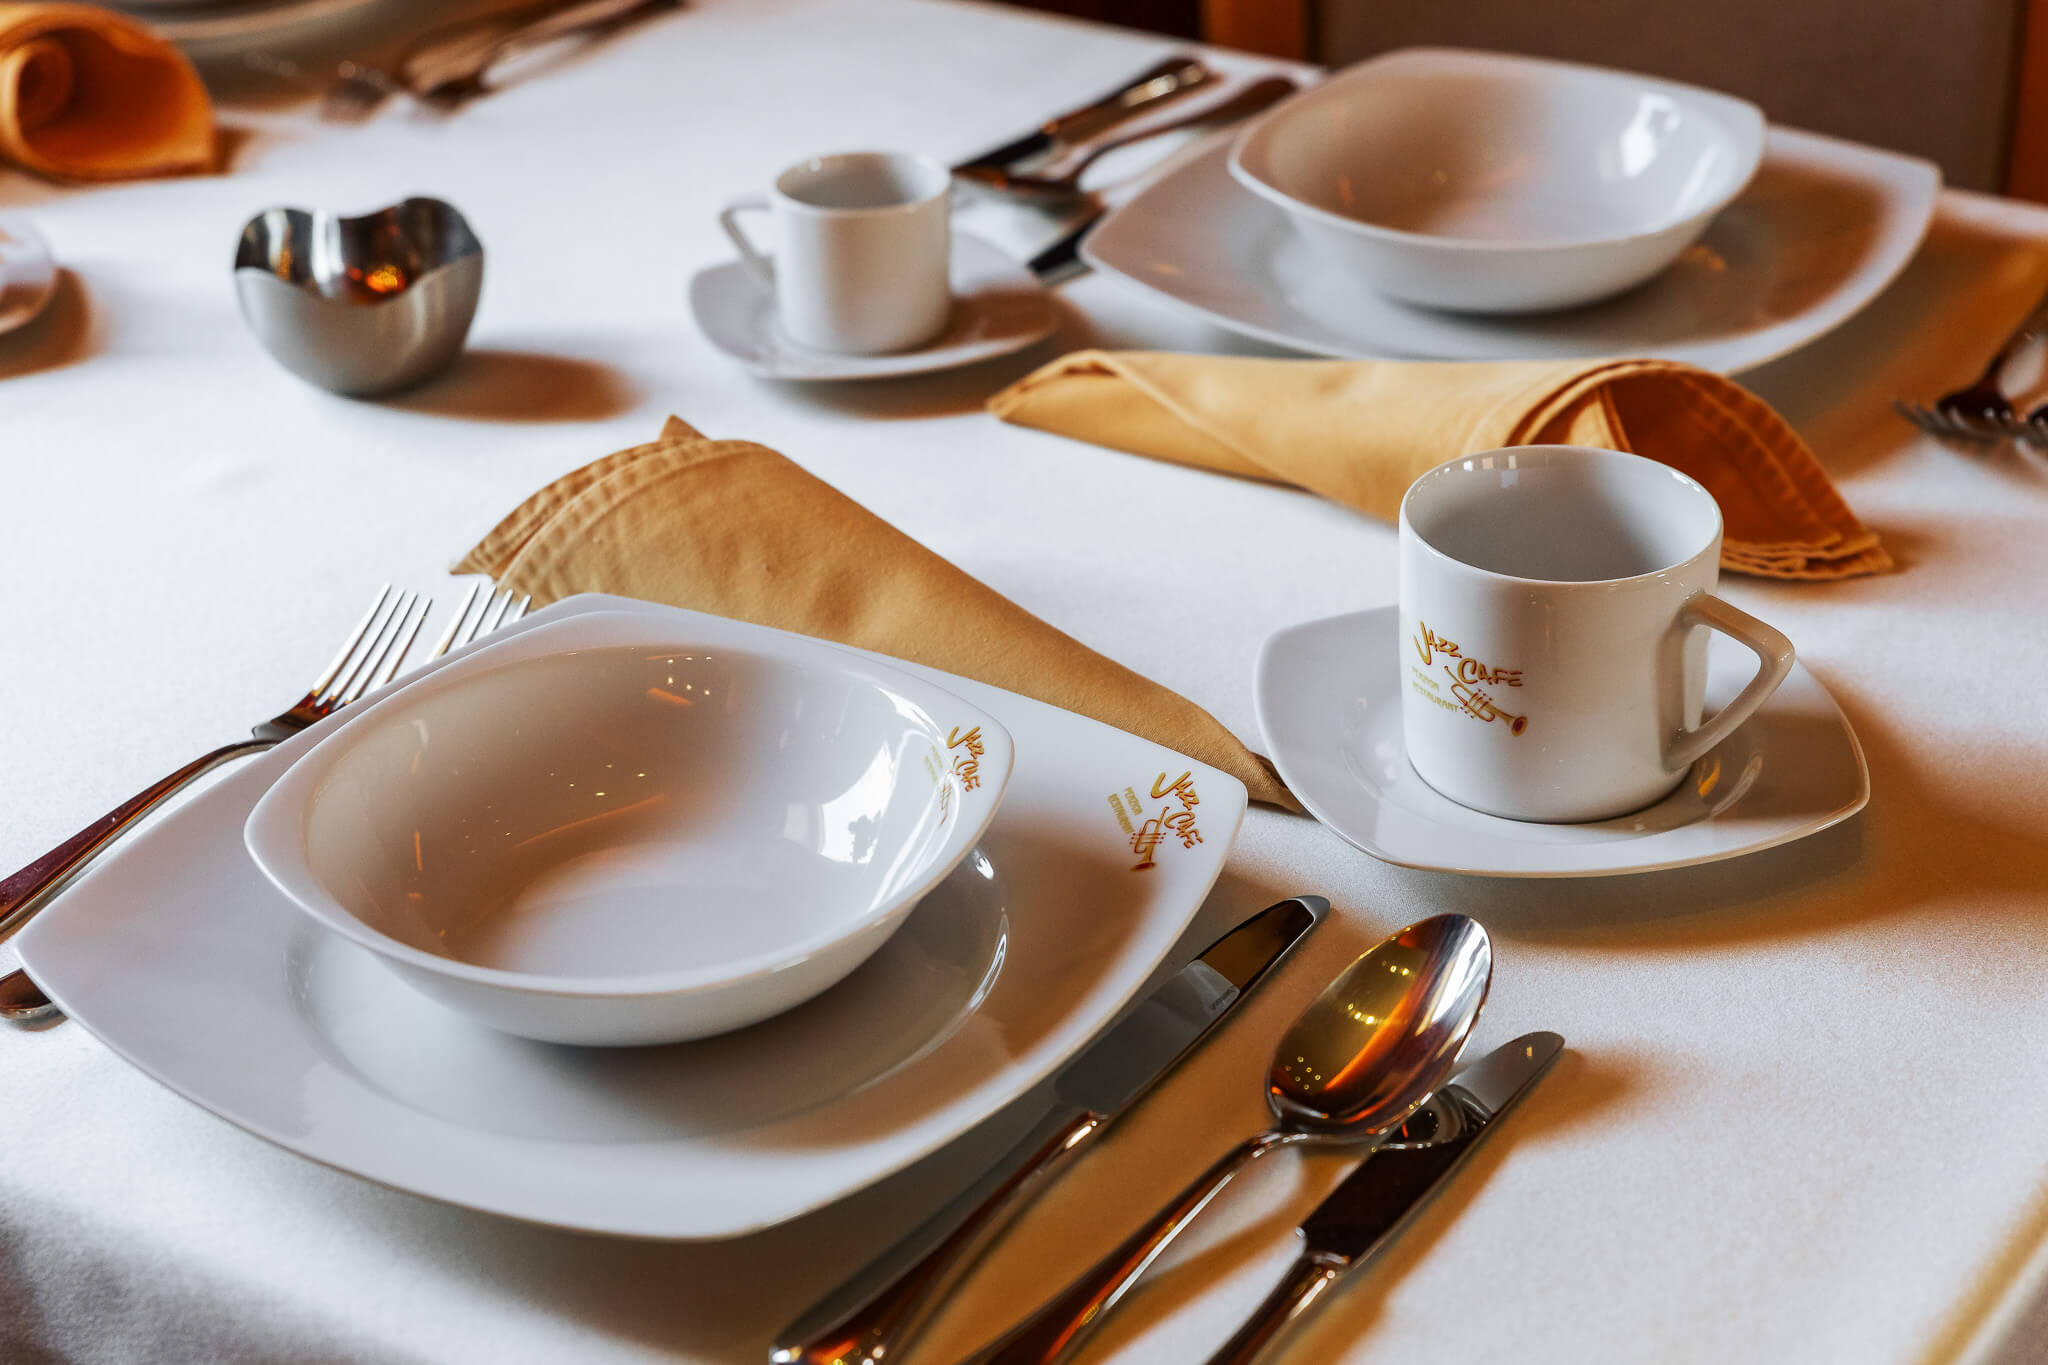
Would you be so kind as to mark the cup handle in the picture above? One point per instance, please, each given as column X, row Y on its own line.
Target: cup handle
column 758, row 265
column 1774, row 663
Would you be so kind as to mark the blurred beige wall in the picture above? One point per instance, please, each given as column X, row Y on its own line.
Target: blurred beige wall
column 1931, row 77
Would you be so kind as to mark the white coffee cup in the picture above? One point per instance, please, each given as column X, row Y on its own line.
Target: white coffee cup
column 1554, row 608
column 860, row 264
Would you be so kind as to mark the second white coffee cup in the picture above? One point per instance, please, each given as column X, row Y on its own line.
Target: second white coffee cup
column 862, row 251
column 1555, row 603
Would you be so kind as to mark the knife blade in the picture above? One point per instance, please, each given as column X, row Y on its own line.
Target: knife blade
column 889, row 1300
column 1148, row 89
column 1360, row 1215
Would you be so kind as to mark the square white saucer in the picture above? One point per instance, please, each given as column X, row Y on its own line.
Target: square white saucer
column 180, row 956
column 1328, row 698
column 1820, row 231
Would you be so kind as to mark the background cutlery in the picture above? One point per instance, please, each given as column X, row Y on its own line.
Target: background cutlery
column 1061, row 173
column 1360, row 1059
column 1374, row 1200
column 464, row 78
column 1980, row 411
column 450, row 62
column 372, row 656
column 1146, row 91
column 877, row 1312
column 1061, row 260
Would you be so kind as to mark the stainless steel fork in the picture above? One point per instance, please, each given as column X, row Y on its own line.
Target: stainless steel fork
column 1980, row 411
column 371, row 657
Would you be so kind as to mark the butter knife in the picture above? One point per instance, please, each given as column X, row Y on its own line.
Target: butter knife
column 879, row 1310
column 1147, row 90
column 1374, row 1200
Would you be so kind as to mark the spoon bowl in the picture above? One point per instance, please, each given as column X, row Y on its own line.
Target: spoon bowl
column 1382, row 1036
column 1358, row 1062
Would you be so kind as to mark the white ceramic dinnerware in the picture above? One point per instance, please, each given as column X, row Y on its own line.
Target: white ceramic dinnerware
column 1494, row 183
column 1820, row 232
column 860, row 263
column 604, row 832
column 185, row 960
column 998, row 307
column 1556, row 602
column 1328, row 695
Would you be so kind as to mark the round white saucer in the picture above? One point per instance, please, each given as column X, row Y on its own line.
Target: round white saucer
column 998, row 307
column 1327, row 695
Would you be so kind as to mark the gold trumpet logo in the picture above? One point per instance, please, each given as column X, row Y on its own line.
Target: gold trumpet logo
column 1481, row 705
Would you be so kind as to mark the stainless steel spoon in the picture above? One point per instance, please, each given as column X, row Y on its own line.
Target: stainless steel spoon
column 1358, row 1061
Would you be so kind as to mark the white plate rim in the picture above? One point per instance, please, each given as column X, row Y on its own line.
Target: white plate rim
column 1143, row 953
column 1116, row 247
column 1266, row 704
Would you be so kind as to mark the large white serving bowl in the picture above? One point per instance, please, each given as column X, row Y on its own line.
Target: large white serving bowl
column 1488, row 183
column 600, row 832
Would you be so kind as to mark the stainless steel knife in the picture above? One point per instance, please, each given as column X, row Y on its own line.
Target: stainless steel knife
column 883, row 1306
column 1363, row 1212
column 1145, row 91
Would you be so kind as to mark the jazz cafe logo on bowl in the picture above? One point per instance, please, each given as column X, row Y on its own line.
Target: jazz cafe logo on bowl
column 961, row 762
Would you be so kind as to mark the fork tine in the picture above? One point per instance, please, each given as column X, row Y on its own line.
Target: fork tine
column 499, row 605
column 359, row 659
column 404, row 644
column 518, row 608
column 448, row 636
column 365, row 668
column 475, row 626
column 355, row 638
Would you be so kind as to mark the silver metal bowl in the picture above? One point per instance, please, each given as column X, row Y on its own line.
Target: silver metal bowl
column 365, row 305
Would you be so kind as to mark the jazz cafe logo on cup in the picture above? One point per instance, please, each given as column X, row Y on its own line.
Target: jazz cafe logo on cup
column 1175, row 818
column 1469, row 679
column 962, row 760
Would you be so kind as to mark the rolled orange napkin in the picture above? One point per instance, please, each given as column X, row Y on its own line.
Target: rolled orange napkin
column 1359, row 432
column 86, row 94
column 735, row 529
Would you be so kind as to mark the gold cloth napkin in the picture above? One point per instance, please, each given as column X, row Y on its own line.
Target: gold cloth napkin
column 1359, row 432
column 737, row 530
column 86, row 94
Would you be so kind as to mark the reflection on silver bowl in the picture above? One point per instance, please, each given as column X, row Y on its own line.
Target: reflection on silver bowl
column 365, row 305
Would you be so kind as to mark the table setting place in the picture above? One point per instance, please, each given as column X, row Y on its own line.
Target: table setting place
column 923, row 632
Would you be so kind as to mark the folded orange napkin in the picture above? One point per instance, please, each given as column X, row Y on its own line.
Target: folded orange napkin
column 86, row 94
column 1359, row 432
column 735, row 529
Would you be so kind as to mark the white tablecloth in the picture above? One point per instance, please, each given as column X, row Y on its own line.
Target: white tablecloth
column 1805, row 1111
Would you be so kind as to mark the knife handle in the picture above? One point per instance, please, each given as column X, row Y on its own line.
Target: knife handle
column 879, row 1311
column 1306, row 1280
column 1065, row 1321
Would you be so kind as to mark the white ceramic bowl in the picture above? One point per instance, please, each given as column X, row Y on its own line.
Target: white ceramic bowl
column 593, row 832
column 1495, row 184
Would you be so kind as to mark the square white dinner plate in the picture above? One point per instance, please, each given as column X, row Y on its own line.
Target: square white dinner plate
column 1820, row 231
column 182, row 958
column 1328, row 698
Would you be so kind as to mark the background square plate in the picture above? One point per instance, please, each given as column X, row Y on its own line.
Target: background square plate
column 1820, row 231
